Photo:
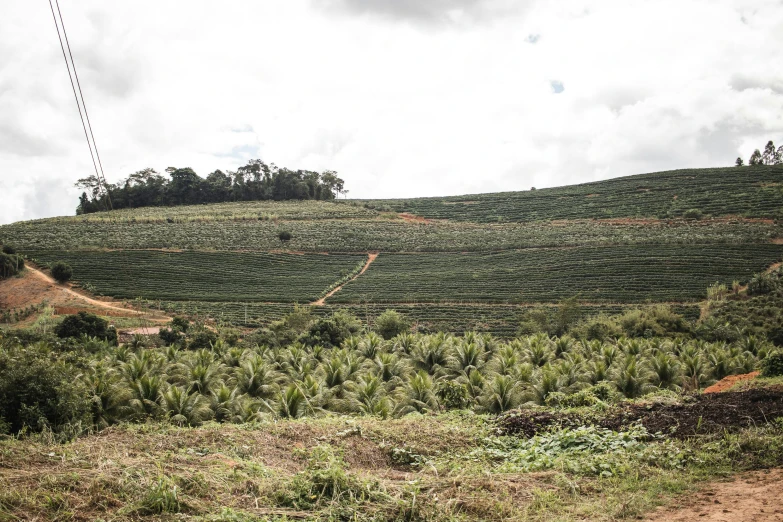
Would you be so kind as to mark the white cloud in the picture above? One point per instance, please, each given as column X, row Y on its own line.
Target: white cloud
column 400, row 98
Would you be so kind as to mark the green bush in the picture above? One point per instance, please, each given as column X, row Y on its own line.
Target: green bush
column 61, row 272
column 772, row 366
column 203, row 339
column 38, row 390
column 693, row 213
column 170, row 336
column 8, row 249
column 390, row 324
column 85, row 324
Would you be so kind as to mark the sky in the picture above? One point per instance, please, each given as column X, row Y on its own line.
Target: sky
column 402, row 98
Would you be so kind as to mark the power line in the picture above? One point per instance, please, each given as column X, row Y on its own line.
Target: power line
column 81, row 95
column 101, row 178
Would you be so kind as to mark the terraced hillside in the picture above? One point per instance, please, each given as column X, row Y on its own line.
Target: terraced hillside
column 470, row 262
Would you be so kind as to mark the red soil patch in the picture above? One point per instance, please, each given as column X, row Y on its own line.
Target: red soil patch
column 728, row 383
column 412, row 218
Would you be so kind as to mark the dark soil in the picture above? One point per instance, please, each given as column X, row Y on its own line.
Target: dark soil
column 694, row 415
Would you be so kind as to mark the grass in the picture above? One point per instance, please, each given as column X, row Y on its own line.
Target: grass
column 334, row 468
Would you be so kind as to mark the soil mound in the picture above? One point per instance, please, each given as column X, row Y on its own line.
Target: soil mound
column 728, row 383
column 694, row 415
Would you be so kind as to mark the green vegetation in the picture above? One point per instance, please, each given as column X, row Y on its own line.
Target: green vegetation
column 208, row 276
column 716, row 192
column 244, row 432
column 88, row 325
column 252, row 182
column 113, row 230
column 608, row 274
column 61, row 272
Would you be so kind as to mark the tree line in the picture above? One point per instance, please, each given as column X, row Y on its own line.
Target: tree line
column 770, row 156
column 255, row 181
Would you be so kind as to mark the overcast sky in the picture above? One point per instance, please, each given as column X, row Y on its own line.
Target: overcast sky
column 401, row 97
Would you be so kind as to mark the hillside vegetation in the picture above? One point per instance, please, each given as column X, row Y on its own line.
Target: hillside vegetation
column 661, row 237
column 504, row 357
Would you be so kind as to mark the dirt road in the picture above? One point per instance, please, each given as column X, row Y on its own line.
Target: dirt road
column 751, row 497
column 101, row 304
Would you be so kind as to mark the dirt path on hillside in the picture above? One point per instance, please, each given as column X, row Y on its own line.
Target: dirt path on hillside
column 73, row 293
column 751, row 497
column 372, row 256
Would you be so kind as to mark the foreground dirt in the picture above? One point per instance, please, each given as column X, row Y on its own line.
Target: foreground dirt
column 756, row 496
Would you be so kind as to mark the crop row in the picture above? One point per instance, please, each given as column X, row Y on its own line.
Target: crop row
column 239, row 211
column 205, row 276
column 624, row 274
column 753, row 191
column 500, row 320
column 368, row 235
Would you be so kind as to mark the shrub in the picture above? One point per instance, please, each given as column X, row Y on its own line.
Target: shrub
column 180, row 324
column 284, row 236
column 390, row 324
column 170, row 336
column 772, row 366
column 332, row 331
column 693, row 213
column 39, row 391
column 61, row 272
column 86, row 324
column 8, row 249
column 203, row 339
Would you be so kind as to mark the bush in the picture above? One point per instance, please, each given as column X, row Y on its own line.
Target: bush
column 170, row 336
column 203, row 339
column 333, row 331
column 772, row 366
column 390, row 324
column 693, row 213
column 87, row 324
column 8, row 249
column 61, row 272
column 180, row 324
column 39, row 391
column 284, row 236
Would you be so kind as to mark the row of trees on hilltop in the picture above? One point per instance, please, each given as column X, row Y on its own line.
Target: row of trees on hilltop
column 253, row 182
column 770, row 156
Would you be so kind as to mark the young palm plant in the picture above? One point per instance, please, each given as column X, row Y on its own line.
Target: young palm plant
column 502, row 394
column 184, row 409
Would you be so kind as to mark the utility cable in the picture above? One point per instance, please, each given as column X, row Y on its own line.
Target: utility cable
column 81, row 95
column 75, row 96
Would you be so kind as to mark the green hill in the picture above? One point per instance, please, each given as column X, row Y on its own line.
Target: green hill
column 452, row 263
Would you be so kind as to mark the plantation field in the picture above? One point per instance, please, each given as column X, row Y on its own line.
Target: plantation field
column 235, row 211
column 501, row 320
column 623, row 274
column 756, row 192
column 362, row 235
column 206, row 276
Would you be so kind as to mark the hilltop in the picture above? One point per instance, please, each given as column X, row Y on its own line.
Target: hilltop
column 463, row 262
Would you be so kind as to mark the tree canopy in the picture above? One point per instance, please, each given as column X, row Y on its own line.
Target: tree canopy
column 253, row 182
